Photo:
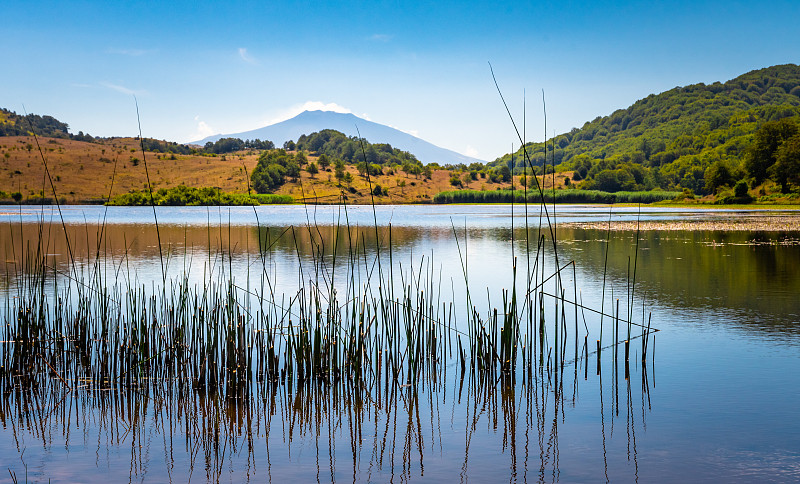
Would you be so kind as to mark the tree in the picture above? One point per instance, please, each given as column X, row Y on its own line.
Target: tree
column 323, row 161
column 614, row 180
column 786, row 169
column 312, row 169
column 740, row 190
column 717, row 175
column 339, row 172
column 293, row 170
column 270, row 170
column 289, row 145
column 505, row 173
column 16, row 196
column 761, row 154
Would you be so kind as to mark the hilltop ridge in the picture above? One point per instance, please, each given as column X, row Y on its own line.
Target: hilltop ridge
column 309, row 122
column 669, row 140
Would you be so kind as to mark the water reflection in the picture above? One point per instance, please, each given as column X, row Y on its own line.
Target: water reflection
column 447, row 425
column 736, row 274
column 575, row 408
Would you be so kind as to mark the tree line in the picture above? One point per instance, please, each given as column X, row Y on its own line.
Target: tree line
column 671, row 140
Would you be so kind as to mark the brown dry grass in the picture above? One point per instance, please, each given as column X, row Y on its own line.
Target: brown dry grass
column 83, row 171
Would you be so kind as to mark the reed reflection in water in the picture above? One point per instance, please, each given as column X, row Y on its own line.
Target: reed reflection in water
column 448, row 426
column 219, row 357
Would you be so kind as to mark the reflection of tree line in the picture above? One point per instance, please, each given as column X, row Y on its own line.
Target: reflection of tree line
column 383, row 430
column 141, row 241
column 750, row 271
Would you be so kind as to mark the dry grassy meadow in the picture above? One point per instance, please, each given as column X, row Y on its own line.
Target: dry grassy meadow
column 85, row 172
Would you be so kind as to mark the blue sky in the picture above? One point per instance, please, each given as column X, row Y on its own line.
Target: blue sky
column 199, row 68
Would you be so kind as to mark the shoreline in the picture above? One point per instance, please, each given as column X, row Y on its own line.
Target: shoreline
column 772, row 224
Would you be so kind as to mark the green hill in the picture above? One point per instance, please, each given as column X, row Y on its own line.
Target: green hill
column 670, row 140
column 13, row 124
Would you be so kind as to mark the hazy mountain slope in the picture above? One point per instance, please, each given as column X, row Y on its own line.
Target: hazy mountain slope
column 309, row 122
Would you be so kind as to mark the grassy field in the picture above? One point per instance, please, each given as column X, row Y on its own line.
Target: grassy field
column 84, row 172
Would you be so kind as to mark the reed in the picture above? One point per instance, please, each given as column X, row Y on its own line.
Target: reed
column 235, row 330
column 569, row 195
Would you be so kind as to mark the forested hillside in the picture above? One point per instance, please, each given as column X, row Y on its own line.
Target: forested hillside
column 13, row 124
column 335, row 149
column 671, row 140
column 337, row 145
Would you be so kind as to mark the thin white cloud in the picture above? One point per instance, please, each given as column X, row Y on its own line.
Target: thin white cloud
column 128, row 52
column 381, row 37
column 470, row 151
column 202, row 130
column 296, row 109
column 245, row 56
column 123, row 89
column 412, row 132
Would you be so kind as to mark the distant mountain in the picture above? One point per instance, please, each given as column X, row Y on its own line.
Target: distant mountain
column 309, row 122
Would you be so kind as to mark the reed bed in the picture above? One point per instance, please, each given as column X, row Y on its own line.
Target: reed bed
column 363, row 344
column 553, row 196
column 190, row 196
column 357, row 314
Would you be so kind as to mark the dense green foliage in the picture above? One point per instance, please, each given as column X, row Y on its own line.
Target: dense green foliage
column 230, row 145
column 336, row 145
column 272, row 168
column 561, row 196
column 669, row 140
column 219, row 147
column 775, row 153
column 183, row 195
column 13, row 124
column 159, row 146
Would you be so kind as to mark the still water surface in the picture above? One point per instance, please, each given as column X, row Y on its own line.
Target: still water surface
column 716, row 400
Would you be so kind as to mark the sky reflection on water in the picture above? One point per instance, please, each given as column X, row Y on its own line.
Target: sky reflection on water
column 718, row 404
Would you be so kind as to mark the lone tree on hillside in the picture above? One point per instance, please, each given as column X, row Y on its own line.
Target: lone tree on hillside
column 323, row 161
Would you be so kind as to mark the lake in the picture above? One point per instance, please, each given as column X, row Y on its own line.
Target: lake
column 714, row 400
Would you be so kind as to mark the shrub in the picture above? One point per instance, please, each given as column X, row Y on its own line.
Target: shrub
column 379, row 190
column 740, row 190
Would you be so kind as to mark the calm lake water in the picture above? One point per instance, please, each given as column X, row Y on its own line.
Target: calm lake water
column 716, row 400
